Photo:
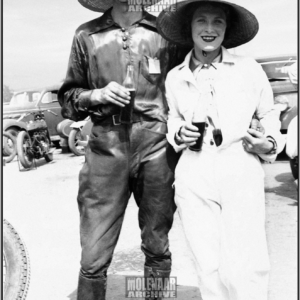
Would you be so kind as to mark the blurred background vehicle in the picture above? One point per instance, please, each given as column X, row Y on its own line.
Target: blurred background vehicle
column 292, row 147
column 63, row 129
column 34, row 143
column 10, row 139
column 22, row 102
column 74, row 135
column 285, row 93
column 78, row 138
column 282, row 74
column 292, row 132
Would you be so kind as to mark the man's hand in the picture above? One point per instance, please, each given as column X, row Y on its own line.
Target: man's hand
column 256, row 125
column 256, row 142
column 189, row 134
column 113, row 93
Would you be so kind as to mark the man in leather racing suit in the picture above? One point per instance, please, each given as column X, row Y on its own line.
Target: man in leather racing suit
column 121, row 159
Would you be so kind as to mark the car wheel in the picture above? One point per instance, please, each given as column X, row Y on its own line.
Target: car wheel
column 294, row 166
column 75, row 136
column 11, row 140
column 8, row 146
column 16, row 267
column 24, row 149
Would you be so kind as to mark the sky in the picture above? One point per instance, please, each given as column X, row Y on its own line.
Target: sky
column 37, row 36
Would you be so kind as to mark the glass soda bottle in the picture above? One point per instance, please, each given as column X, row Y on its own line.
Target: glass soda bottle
column 127, row 110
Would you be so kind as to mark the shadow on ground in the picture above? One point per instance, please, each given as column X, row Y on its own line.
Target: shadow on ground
column 35, row 165
column 288, row 188
column 132, row 260
column 116, row 290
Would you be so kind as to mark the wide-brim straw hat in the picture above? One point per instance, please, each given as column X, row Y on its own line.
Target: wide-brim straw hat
column 243, row 28
column 104, row 5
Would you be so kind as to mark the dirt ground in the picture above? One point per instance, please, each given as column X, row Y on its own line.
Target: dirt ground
column 41, row 205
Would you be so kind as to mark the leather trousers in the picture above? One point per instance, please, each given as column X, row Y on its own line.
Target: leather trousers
column 121, row 160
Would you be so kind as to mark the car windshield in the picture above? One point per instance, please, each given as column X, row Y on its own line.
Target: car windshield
column 25, row 98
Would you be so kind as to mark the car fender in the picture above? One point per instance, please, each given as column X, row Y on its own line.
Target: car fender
column 63, row 128
column 7, row 123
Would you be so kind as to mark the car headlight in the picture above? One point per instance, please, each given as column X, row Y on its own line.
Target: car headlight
column 281, row 102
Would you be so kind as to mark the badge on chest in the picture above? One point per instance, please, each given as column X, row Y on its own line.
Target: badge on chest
column 154, row 65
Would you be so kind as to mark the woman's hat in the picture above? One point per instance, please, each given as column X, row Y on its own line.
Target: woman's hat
column 103, row 5
column 243, row 24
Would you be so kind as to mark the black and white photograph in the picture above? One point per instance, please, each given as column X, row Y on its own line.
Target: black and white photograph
column 150, row 149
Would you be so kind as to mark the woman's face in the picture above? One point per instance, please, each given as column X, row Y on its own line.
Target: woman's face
column 208, row 28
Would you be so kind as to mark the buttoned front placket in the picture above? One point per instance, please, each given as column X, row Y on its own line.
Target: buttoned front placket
column 126, row 35
column 124, row 38
column 204, row 75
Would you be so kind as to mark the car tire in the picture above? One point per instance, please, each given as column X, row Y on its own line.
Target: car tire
column 294, row 167
column 24, row 144
column 7, row 136
column 7, row 147
column 16, row 266
column 75, row 136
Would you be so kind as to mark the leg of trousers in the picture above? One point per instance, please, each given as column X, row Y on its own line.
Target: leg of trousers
column 121, row 160
column 152, row 188
column 224, row 226
column 156, row 204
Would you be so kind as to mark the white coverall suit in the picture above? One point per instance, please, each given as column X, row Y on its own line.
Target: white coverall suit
column 219, row 191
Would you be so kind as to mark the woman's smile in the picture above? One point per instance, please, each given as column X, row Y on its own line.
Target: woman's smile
column 208, row 39
column 208, row 29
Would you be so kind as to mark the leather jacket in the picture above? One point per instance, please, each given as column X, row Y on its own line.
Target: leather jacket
column 100, row 53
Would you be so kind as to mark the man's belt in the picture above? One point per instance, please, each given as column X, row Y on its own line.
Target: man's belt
column 115, row 120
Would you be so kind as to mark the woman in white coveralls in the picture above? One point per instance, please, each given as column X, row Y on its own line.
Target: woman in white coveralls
column 219, row 191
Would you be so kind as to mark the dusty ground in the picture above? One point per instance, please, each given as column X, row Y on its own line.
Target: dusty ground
column 41, row 205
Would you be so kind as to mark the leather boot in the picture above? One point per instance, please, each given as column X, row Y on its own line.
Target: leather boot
column 91, row 289
column 150, row 272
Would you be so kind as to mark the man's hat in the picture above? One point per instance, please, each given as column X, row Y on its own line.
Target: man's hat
column 103, row 5
column 243, row 24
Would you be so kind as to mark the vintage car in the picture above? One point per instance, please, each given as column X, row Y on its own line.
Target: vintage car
column 22, row 102
column 286, row 100
column 285, row 93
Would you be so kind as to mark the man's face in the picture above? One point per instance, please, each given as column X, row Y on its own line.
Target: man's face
column 208, row 28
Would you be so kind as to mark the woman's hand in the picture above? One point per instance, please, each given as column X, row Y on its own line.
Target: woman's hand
column 113, row 93
column 189, row 134
column 256, row 142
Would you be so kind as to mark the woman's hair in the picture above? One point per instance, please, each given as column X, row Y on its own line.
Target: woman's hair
column 189, row 11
